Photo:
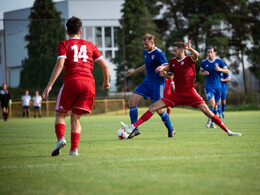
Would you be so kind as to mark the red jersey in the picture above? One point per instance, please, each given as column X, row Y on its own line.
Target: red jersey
column 184, row 73
column 168, row 87
column 79, row 56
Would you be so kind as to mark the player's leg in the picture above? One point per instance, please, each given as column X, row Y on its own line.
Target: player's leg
column 132, row 103
column 28, row 111
column 60, row 131
column 24, row 110
column 34, row 112
column 75, row 133
column 223, row 107
column 40, row 112
column 204, row 108
column 169, row 111
column 5, row 113
column 156, row 93
column 146, row 116
column 223, row 102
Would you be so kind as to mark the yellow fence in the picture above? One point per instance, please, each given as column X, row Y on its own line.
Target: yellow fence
column 48, row 107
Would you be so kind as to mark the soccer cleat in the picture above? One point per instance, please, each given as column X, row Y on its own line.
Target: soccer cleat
column 171, row 133
column 234, row 134
column 208, row 123
column 60, row 144
column 212, row 126
column 74, row 152
column 134, row 133
column 126, row 128
column 223, row 116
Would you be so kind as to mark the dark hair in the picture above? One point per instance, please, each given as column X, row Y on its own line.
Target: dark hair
column 211, row 47
column 179, row 45
column 148, row 36
column 73, row 25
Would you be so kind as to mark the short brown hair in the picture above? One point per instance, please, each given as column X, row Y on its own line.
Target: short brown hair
column 148, row 36
column 73, row 25
column 179, row 45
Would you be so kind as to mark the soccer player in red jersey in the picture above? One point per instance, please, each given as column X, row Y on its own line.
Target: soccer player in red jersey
column 78, row 91
column 183, row 68
column 168, row 89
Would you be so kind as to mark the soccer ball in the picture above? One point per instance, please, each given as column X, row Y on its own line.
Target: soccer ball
column 122, row 134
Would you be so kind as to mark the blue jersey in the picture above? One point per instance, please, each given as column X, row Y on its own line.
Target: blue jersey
column 213, row 79
column 152, row 60
column 224, row 84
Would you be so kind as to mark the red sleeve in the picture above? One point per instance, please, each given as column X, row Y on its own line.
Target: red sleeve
column 61, row 50
column 96, row 53
column 191, row 61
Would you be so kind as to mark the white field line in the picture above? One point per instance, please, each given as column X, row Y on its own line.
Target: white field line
column 125, row 160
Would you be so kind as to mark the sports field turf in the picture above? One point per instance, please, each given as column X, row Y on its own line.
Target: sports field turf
column 197, row 161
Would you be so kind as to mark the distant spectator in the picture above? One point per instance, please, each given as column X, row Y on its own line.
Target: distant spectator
column 37, row 100
column 5, row 98
column 26, row 99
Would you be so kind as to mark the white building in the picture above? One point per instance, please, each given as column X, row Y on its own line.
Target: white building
column 100, row 21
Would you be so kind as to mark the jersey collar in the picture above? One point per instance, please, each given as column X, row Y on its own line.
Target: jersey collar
column 211, row 61
column 152, row 50
column 181, row 59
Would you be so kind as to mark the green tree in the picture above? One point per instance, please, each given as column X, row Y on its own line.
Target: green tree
column 136, row 21
column 254, row 51
column 46, row 30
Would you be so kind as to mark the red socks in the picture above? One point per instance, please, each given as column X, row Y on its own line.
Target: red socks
column 216, row 120
column 74, row 141
column 60, row 130
column 146, row 116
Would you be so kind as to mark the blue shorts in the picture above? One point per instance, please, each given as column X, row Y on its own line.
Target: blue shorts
column 213, row 93
column 223, row 94
column 155, row 92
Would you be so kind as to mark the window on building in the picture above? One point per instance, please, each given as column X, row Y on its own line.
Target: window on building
column 103, row 38
column 108, row 37
column 98, row 36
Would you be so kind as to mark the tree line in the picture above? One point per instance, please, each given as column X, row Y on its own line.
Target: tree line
column 233, row 26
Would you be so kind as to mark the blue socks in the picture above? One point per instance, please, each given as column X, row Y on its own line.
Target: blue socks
column 219, row 110
column 133, row 112
column 166, row 120
column 223, row 107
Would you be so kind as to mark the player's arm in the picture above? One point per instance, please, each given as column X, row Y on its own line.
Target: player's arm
column 224, row 70
column 228, row 79
column 139, row 69
column 163, row 68
column 194, row 54
column 203, row 72
column 54, row 75
column 102, row 63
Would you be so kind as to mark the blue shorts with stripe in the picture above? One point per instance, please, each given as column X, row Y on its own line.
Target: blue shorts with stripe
column 154, row 92
column 213, row 93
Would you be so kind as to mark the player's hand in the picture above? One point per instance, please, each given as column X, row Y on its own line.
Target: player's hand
column 45, row 93
column 206, row 73
column 106, row 86
column 217, row 68
column 159, row 69
column 129, row 73
column 187, row 45
column 222, row 80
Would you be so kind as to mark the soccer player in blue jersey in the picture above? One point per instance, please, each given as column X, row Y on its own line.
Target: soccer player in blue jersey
column 211, row 68
column 224, row 77
column 152, row 86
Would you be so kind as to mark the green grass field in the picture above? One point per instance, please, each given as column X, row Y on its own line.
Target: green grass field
column 196, row 161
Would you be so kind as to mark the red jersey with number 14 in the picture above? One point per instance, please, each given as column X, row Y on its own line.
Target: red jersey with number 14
column 184, row 73
column 79, row 56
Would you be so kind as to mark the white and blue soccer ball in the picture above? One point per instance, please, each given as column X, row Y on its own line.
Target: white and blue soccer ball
column 122, row 134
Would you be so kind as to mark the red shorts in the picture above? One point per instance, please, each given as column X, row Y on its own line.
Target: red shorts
column 187, row 97
column 77, row 95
